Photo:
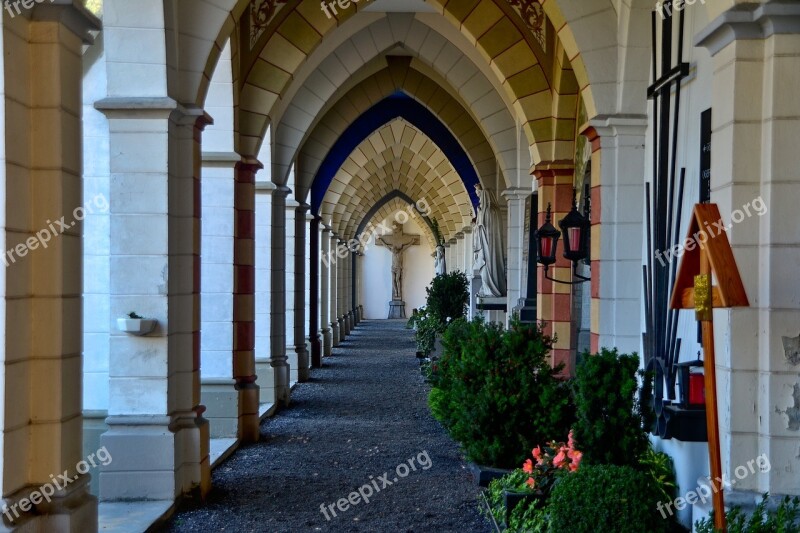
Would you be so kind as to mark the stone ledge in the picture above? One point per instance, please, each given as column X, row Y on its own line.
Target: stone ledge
column 748, row 22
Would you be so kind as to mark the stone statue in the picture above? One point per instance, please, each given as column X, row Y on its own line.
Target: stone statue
column 439, row 261
column 397, row 243
column 489, row 260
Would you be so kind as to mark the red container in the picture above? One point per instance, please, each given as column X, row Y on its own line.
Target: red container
column 697, row 389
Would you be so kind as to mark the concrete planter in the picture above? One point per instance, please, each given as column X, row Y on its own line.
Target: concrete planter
column 136, row 326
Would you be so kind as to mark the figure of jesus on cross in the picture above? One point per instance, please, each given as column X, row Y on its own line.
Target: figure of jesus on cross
column 397, row 242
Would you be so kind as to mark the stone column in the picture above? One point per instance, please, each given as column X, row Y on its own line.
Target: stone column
column 334, row 290
column 756, row 183
column 345, row 296
column 515, row 197
column 555, row 299
column 315, row 295
column 289, row 309
column 325, row 283
column 40, row 290
column 244, row 309
column 341, row 268
column 351, row 315
column 300, row 292
column 458, row 259
column 263, row 247
column 468, row 270
column 154, row 381
column 278, row 359
column 617, row 156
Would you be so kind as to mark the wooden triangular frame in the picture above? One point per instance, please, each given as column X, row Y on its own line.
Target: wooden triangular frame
column 711, row 239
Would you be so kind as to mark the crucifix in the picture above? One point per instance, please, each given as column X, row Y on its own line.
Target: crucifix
column 709, row 257
column 397, row 243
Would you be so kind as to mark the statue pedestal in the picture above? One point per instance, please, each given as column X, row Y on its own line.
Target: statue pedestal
column 397, row 309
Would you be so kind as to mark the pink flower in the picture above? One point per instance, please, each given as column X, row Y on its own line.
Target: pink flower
column 531, row 482
column 537, row 454
column 527, row 466
column 571, row 440
column 560, row 459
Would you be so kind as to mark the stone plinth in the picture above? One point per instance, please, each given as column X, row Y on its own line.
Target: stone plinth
column 397, row 309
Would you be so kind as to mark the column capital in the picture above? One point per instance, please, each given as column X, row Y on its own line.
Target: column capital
column 516, row 193
column 460, row 235
column 751, row 21
column 281, row 191
column 303, row 208
column 73, row 15
column 265, row 187
column 614, row 126
column 292, row 204
column 466, row 230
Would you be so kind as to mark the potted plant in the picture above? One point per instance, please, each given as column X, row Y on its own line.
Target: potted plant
column 136, row 325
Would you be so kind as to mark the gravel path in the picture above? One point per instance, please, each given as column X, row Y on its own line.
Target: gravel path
column 361, row 416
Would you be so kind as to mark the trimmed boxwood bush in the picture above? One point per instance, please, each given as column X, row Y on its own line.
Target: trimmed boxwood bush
column 496, row 393
column 605, row 498
column 610, row 425
column 448, row 297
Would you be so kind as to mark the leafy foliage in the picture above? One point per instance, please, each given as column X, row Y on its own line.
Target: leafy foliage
column 605, row 498
column 527, row 517
column 784, row 519
column 660, row 468
column 426, row 327
column 610, row 426
column 496, row 393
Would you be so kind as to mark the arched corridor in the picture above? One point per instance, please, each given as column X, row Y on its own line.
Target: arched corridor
column 362, row 416
column 210, row 207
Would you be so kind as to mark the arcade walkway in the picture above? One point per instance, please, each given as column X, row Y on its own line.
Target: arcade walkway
column 361, row 416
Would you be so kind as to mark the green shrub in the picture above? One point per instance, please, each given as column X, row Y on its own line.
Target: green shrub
column 448, row 297
column 426, row 328
column 496, row 393
column 605, row 498
column 784, row 519
column 609, row 429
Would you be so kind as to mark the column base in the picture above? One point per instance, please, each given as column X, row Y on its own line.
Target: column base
column 348, row 323
column 336, row 339
column 342, row 329
column 249, row 422
column 316, row 350
column 294, row 365
column 327, row 342
column 71, row 509
column 280, row 373
column 149, row 461
column 303, row 370
column 397, row 309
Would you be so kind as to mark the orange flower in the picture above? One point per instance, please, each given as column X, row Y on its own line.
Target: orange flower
column 527, row 466
column 531, row 482
column 576, row 457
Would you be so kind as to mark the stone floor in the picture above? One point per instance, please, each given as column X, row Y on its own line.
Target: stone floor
column 361, row 418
